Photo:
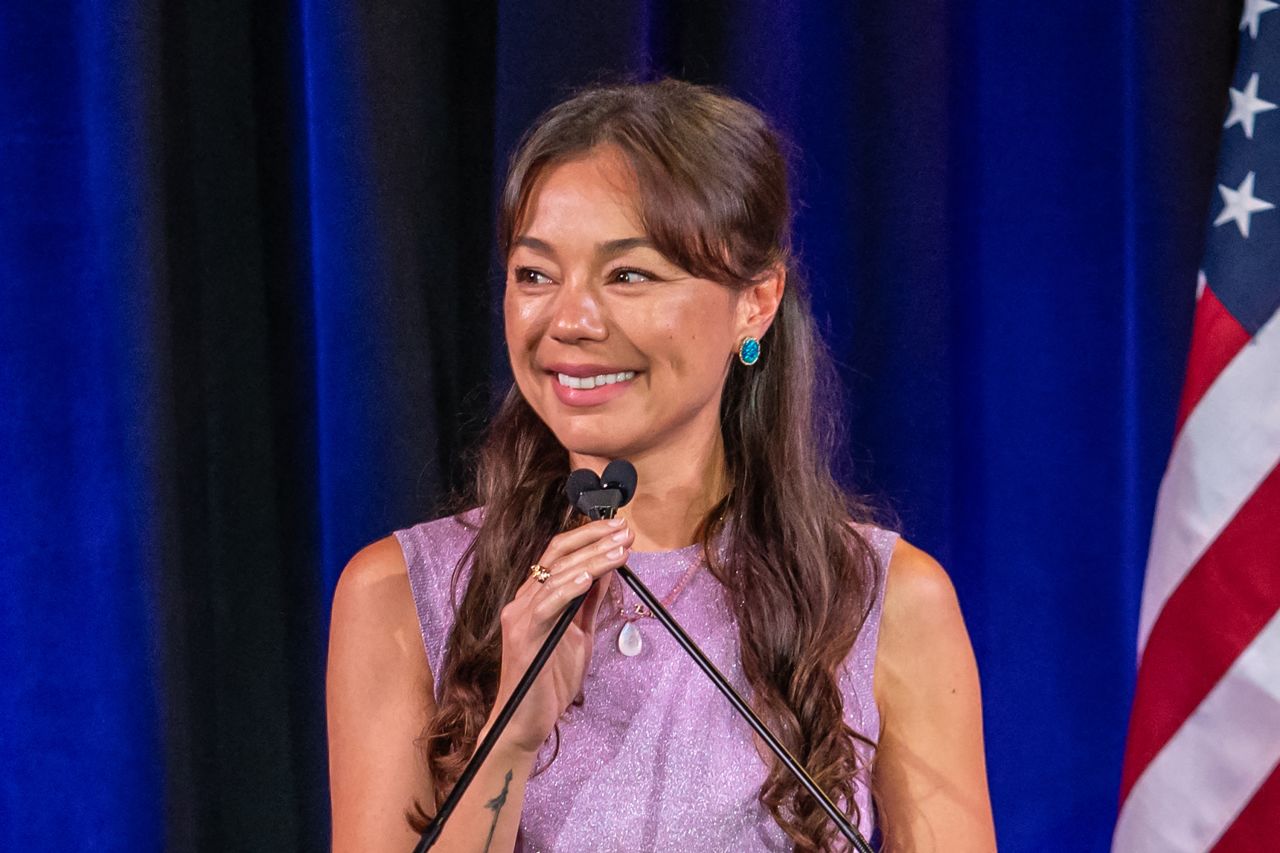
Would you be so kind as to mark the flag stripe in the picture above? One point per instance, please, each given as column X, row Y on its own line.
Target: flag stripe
column 1255, row 830
column 1203, row 778
column 1216, row 338
column 1234, row 591
column 1218, row 460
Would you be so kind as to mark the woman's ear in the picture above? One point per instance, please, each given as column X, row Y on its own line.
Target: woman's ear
column 759, row 301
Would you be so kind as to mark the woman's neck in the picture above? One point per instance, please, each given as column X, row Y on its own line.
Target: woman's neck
column 676, row 488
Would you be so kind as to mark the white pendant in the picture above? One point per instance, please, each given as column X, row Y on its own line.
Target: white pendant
column 629, row 640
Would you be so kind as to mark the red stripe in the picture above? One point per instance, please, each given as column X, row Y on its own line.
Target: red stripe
column 1217, row 610
column 1216, row 337
column 1255, row 829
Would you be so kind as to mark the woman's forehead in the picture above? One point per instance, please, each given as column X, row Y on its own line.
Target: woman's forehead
column 593, row 197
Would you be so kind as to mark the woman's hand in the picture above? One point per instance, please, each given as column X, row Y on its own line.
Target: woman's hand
column 574, row 559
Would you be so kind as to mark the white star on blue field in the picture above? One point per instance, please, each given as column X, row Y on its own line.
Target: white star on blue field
column 1242, row 263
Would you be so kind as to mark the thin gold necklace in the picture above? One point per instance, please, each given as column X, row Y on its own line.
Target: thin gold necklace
column 629, row 640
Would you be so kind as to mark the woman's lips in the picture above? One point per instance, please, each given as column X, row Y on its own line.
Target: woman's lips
column 588, row 396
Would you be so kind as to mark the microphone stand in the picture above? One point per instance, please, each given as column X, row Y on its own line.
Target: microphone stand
column 432, row 832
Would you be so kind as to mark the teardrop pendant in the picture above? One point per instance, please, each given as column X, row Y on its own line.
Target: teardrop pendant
column 629, row 640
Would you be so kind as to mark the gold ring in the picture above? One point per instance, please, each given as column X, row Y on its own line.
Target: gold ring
column 539, row 573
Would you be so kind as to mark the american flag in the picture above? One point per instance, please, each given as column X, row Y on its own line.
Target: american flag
column 1202, row 762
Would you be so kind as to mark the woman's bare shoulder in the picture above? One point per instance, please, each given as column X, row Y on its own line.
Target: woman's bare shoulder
column 374, row 615
column 374, row 587
column 922, row 627
column 376, row 580
column 918, row 589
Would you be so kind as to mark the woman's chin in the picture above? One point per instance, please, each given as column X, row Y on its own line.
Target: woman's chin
column 581, row 442
column 597, row 451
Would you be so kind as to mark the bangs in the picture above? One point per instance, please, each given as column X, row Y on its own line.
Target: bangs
column 711, row 181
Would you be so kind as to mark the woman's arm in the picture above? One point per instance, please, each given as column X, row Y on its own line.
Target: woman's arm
column 930, row 767
column 378, row 696
column 379, row 691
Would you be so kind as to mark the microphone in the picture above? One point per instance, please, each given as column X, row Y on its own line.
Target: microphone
column 600, row 497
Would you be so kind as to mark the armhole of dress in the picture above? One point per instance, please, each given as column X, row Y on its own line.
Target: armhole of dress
column 882, row 543
column 431, row 553
column 423, row 573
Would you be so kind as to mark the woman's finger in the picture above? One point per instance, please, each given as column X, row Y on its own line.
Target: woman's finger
column 586, row 618
column 594, row 563
column 569, row 543
column 551, row 601
column 581, row 557
column 553, row 598
column 563, row 544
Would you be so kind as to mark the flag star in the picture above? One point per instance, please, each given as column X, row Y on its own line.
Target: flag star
column 1246, row 105
column 1240, row 204
column 1253, row 10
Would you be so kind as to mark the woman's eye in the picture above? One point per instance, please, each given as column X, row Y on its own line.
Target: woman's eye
column 631, row 276
column 528, row 275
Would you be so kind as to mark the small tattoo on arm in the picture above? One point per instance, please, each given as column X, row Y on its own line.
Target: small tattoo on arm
column 495, row 805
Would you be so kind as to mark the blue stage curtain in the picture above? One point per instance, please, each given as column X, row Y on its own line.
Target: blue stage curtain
column 80, row 700
column 250, row 324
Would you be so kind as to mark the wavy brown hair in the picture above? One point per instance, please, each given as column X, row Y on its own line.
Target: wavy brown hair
column 714, row 196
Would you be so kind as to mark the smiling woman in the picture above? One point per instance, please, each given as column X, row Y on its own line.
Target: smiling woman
column 646, row 230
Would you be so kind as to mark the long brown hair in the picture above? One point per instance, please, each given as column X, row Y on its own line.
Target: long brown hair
column 713, row 182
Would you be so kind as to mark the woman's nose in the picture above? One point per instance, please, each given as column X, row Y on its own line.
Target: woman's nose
column 577, row 313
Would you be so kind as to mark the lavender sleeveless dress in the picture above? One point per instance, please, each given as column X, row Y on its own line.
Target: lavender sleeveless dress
column 655, row 758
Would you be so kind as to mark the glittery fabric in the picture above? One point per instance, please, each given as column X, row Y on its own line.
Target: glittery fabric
column 655, row 758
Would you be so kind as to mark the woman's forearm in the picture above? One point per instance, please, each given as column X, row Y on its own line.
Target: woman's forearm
column 487, row 817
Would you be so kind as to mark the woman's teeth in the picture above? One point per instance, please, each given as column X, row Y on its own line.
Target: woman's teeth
column 585, row 382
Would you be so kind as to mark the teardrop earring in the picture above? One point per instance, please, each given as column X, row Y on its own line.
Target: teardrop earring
column 749, row 351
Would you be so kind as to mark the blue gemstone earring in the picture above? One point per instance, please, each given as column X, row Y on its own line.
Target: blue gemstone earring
column 749, row 351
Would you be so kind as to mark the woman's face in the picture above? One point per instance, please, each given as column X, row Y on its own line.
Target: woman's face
column 616, row 348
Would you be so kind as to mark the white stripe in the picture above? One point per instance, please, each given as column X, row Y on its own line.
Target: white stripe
column 1229, row 443
column 1207, row 773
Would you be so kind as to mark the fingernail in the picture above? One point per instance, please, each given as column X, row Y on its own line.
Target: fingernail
column 615, row 553
column 617, row 522
column 620, row 536
column 582, row 578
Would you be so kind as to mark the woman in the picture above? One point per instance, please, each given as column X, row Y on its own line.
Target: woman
column 652, row 313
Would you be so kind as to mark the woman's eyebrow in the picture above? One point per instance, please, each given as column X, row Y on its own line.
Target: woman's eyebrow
column 533, row 243
column 607, row 249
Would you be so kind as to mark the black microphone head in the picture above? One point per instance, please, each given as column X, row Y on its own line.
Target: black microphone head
column 582, row 480
column 621, row 475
